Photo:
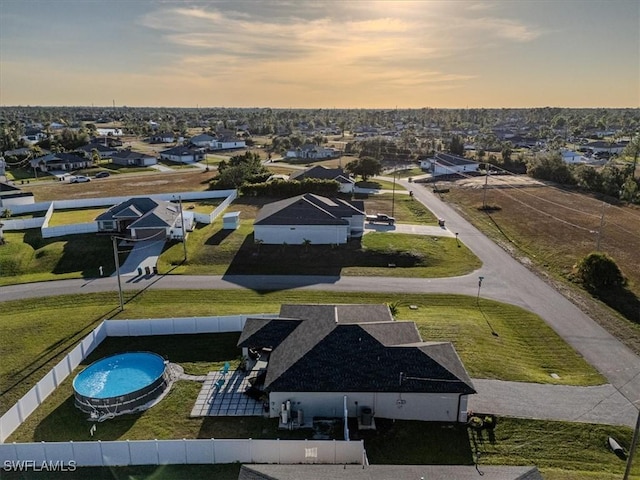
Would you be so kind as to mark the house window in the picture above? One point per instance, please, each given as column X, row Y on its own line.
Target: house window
column 108, row 225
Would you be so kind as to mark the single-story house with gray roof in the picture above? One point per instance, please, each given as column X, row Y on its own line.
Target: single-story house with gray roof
column 184, row 154
column 448, row 164
column 12, row 195
column 60, row 161
column 325, row 356
column 321, row 220
column 132, row 158
column 142, row 218
column 347, row 184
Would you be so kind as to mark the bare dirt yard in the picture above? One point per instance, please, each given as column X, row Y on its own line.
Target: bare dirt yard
column 124, row 184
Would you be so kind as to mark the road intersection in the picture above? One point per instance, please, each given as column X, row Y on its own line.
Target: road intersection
column 504, row 279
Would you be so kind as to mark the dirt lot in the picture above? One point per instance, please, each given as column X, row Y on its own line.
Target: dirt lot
column 553, row 228
column 124, row 184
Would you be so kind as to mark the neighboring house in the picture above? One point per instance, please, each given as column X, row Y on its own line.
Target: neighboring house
column 309, row 217
column 608, row 147
column 313, row 152
column 104, row 152
column 203, row 140
column 17, row 152
column 142, row 218
column 571, row 157
column 165, row 137
column 130, row 158
column 60, row 161
column 183, row 154
column 386, row 472
column 448, row 164
column 33, row 135
column 227, row 143
column 107, row 141
column 325, row 358
column 347, row 184
column 12, row 195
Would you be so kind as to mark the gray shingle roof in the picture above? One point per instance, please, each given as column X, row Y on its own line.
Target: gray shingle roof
column 386, row 472
column 130, row 154
column 321, row 172
column 150, row 213
column 307, row 209
column 336, row 348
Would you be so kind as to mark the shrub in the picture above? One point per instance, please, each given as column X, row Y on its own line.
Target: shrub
column 599, row 271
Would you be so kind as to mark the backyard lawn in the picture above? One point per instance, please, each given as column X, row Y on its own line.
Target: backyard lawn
column 56, row 324
column 562, row 450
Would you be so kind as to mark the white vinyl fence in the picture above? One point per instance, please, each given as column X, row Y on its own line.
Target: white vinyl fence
column 92, row 227
column 155, row 452
column 110, row 201
column 196, row 451
column 17, row 414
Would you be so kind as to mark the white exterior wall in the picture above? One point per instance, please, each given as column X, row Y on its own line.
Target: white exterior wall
column 347, row 187
column 12, row 201
column 439, row 169
column 296, row 234
column 356, row 225
column 430, row 407
column 216, row 145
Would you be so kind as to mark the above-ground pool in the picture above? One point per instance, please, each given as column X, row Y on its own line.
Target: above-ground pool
column 120, row 383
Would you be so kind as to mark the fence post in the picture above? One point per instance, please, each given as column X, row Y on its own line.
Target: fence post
column 213, row 449
column 184, row 449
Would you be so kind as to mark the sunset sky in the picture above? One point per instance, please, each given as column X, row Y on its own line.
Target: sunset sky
column 321, row 54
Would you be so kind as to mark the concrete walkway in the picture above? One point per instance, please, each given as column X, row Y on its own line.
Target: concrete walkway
column 598, row 404
column 143, row 256
column 430, row 230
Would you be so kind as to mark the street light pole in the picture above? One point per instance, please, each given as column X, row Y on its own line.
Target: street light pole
column 479, row 285
column 117, row 262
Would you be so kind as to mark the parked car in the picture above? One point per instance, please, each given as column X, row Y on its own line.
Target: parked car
column 381, row 218
column 102, row 174
column 79, row 179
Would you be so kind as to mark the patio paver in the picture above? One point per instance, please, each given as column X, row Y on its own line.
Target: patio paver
column 227, row 400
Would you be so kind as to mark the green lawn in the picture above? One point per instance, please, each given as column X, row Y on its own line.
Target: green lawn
column 561, row 450
column 27, row 257
column 56, row 324
column 69, row 217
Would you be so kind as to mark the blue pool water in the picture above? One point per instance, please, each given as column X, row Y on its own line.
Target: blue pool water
column 119, row 375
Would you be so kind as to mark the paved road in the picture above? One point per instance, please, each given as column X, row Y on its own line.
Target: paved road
column 504, row 279
column 507, row 279
column 598, row 404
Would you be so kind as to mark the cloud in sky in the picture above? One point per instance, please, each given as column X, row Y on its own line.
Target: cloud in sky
column 276, row 53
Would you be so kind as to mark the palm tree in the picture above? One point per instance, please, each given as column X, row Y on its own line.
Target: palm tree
column 306, row 242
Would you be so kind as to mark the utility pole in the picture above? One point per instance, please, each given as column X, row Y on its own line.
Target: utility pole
column 600, row 229
column 184, row 232
column 484, row 191
column 632, row 449
column 117, row 261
